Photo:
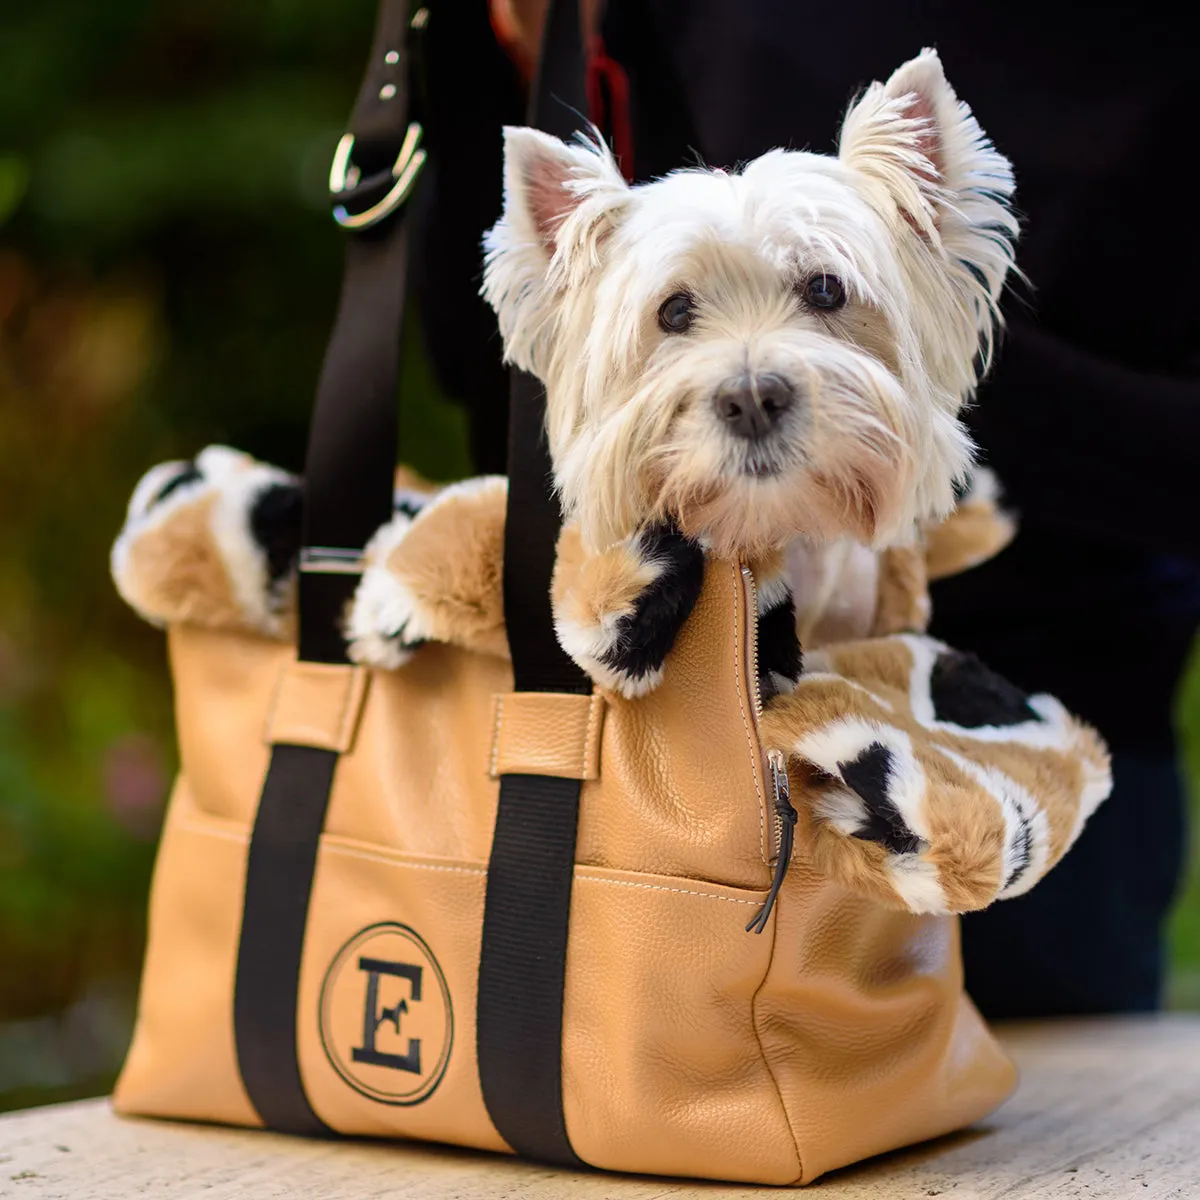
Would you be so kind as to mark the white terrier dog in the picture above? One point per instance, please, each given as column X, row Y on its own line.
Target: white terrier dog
column 768, row 364
column 775, row 353
column 741, row 362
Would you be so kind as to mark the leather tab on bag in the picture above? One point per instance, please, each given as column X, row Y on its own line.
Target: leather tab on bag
column 317, row 704
column 547, row 733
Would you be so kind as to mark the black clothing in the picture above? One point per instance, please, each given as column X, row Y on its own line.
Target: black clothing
column 1087, row 938
column 1091, row 417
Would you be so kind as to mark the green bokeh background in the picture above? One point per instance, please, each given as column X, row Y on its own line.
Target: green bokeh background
column 168, row 274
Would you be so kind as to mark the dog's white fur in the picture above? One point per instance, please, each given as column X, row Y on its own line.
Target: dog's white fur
column 912, row 216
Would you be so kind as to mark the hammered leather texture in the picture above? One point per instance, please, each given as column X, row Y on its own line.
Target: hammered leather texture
column 547, row 733
column 690, row 1047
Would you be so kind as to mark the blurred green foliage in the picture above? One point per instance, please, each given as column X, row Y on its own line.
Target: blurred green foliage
column 168, row 274
column 1184, row 985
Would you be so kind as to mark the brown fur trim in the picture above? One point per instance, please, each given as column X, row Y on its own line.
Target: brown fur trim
column 978, row 529
column 970, row 535
column 187, row 553
column 988, row 811
column 590, row 590
column 902, row 598
column 963, row 833
column 450, row 562
column 174, row 573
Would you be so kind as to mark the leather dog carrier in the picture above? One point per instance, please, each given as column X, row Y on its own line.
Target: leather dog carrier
column 489, row 904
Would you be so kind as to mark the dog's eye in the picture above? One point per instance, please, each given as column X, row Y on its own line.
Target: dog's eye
column 824, row 291
column 676, row 312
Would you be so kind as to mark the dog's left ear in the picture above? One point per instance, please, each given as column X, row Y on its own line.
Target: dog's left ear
column 560, row 203
column 914, row 138
column 925, row 163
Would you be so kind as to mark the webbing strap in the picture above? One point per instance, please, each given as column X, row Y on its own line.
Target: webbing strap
column 522, row 967
column 348, row 495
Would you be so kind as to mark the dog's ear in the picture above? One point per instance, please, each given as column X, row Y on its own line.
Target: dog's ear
column 922, row 157
column 915, row 138
column 546, row 181
column 561, row 202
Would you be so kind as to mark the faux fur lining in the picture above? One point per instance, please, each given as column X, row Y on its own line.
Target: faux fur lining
column 923, row 780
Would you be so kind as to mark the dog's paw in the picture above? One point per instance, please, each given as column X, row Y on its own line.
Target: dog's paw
column 434, row 577
column 382, row 622
column 618, row 613
column 212, row 542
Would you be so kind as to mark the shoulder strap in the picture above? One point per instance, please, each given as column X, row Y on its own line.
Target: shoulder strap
column 349, row 472
column 522, row 966
column 352, row 441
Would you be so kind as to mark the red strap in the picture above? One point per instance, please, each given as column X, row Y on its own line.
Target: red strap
column 608, row 101
column 512, row 38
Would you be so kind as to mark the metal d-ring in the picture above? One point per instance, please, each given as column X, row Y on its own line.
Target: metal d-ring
column 405, row 170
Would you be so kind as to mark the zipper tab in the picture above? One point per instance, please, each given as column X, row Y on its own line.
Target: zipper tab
column 786, row 817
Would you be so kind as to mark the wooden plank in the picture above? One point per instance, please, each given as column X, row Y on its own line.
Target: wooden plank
column 1106, row 1109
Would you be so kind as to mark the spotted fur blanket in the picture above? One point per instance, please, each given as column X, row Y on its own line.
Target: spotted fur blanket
column 924, row 780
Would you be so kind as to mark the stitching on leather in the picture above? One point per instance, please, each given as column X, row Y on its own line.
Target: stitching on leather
column 273, row 707
column 315, row 734
column 590, row 739
column 362, row 856
column 352, row 690
column 230, row 835
column 494, row 761
column 592, row 731
column 737, row 681
column 750, row 741
column 766, row 1058
column 658, row 887
column 346, row 852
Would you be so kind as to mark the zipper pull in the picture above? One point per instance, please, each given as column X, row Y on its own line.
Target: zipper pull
column 786, row 816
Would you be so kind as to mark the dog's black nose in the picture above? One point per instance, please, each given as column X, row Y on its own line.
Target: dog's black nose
column 751, row 407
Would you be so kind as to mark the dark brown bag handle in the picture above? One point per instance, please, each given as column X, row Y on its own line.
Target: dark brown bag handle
column 348, row 495
column 522, row 963
column 351, row 460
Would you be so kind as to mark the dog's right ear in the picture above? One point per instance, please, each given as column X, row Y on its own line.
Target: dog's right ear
column 560, row 204
column 546, row 182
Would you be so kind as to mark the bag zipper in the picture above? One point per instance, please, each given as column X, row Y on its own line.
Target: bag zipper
column 752, row 642
column 785, row 815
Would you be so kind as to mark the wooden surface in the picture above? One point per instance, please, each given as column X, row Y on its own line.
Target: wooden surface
column 1105, row 1109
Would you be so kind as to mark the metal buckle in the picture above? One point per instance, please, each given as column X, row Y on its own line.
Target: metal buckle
column 331, row 560
column 344, row 175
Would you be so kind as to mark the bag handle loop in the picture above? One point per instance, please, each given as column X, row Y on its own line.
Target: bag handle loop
column 531, row 868
column 349, row 473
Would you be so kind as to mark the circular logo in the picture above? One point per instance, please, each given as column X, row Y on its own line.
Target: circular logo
column 386, row 1021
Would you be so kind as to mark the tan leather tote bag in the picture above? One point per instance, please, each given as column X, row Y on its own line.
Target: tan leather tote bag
column 490, row 905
